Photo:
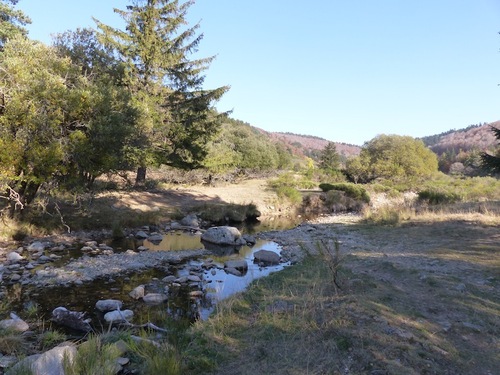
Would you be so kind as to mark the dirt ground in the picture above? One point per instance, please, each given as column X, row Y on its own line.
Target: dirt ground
column 249, row 191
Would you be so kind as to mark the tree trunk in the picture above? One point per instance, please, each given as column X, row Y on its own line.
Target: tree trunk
column 140, row 178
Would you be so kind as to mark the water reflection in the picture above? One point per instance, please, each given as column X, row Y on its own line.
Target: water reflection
column 177, row 240
column 220, row 285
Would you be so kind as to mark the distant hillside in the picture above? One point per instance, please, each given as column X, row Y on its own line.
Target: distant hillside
column 474, row 137
column 312, row 146
column 454, row 143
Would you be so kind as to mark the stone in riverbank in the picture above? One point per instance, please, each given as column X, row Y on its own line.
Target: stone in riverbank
column 72, row 319
column 118, row 316
column 105, row 305
column 266, row 258
column 14, row 324
column 236, row 267
column 50, row 362
column 223, row 236
column 137, row 292
column 154, row 298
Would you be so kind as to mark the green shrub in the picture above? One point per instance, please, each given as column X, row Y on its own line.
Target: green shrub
column 382, row 188
column 433, row 196
column 447, row 189
column 305, row 183
column 289, row 193
column 351, row 190
column 286, row 186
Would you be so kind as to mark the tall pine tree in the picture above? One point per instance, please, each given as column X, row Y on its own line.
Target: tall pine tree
column 329, row 159
column 12, row 21
column 177, row 119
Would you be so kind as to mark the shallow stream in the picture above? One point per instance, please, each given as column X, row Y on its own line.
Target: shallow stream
column 186, row 302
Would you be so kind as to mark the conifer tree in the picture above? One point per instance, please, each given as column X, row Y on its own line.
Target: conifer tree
column 177, row 119
column 329, row 158
column 491, row 163
column 12, row 21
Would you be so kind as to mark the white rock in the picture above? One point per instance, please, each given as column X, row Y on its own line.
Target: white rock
column 14, row 257
column 15, row 324
column 105, row 305
column 222, row 235
column 50, row 362
column 36, row 247
column 118, row 316
column 137, row 292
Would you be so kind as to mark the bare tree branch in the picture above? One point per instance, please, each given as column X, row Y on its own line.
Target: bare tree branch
column 15, row 197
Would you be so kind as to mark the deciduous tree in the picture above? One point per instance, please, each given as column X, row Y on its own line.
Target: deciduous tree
column 393, row 156
column 42, row 96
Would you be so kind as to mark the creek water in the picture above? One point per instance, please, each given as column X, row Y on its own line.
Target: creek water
column 215, row 286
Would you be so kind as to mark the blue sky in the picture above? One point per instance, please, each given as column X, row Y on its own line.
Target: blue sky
column 344, row 70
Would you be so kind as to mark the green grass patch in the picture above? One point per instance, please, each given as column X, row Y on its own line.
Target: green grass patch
column 446, row 189
column 351, row 190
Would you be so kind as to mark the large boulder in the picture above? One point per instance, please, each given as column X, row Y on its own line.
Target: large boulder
column 266, row 257
column 223, row 236
column 50, row 362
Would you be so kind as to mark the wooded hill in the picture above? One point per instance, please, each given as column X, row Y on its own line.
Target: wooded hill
column 477, row 138
column 312, row 146
column 474, row 137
